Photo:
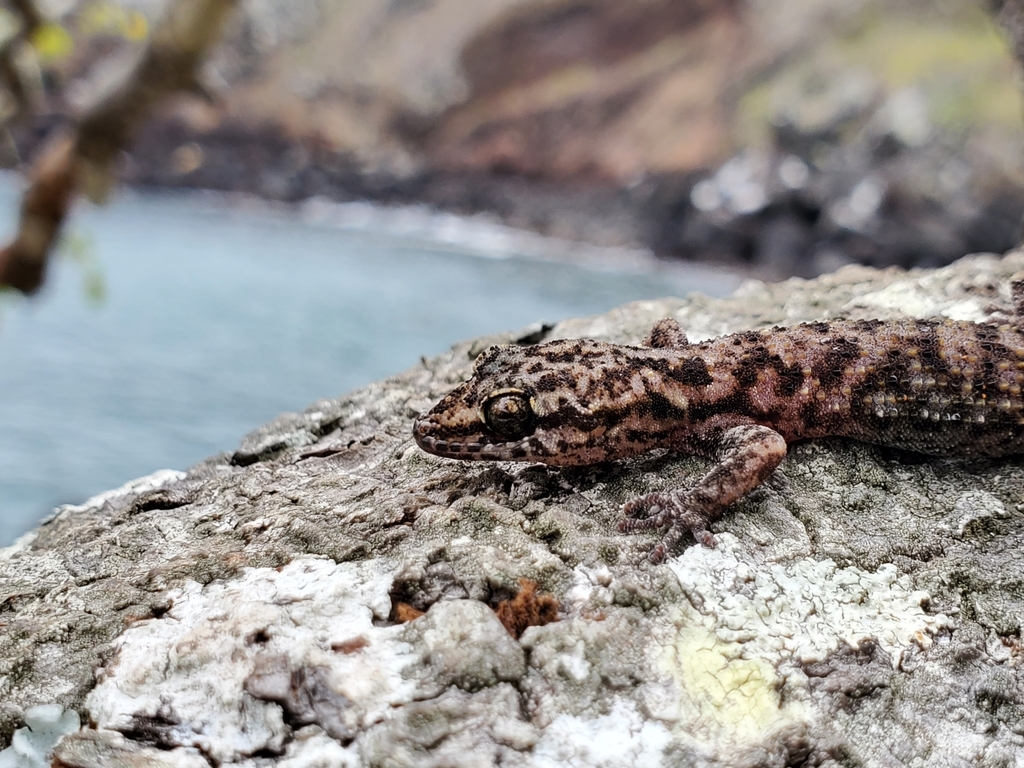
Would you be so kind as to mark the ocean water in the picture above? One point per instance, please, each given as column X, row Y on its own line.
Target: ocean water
column 218, row 315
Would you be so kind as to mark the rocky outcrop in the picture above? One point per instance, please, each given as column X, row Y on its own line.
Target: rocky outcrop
column 785, row 137
column 327, row 594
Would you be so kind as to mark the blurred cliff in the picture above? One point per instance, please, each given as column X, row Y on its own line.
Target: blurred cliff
column 787, row 136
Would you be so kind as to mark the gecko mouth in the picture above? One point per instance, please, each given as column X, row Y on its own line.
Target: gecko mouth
column 469, row 450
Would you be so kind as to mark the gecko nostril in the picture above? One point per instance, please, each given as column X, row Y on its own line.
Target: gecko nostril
column 421, row 429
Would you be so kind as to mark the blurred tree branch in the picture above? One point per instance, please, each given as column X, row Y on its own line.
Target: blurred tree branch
column 19, row 71
column 81, row 159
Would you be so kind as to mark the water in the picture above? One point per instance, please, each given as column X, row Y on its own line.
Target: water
column 217, row 318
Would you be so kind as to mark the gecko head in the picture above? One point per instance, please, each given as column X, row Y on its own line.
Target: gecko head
column 550, row 403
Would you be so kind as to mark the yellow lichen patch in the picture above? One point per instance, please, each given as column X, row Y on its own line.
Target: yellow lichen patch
column 732, row 672
column 723, row 698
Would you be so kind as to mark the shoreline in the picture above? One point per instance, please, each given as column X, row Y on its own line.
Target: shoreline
column 482, row 235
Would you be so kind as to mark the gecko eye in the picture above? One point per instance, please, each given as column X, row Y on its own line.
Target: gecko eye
column 509, row 414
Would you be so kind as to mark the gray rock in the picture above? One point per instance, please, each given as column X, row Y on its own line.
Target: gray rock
column 860, row 609
column 468, row 647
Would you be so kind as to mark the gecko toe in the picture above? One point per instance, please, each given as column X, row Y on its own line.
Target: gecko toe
column 657, row 555
column 656, row 511
column 648, row 506
column 651, row 523
column 705, row 538
column 670, row 542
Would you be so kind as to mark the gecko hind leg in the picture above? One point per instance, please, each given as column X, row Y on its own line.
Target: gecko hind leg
column 746, row 456
column 666, row 334
column 1017, row 294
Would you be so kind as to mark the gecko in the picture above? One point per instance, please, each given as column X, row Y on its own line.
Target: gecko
column 938, row 387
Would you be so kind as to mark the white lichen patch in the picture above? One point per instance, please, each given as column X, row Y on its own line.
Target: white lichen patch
column 150, row 482
column 621, row 737
column 45, row 726
column 312, row 748
column 802, row 611
column 974, row 506
column 185, row 678
column 592, row 587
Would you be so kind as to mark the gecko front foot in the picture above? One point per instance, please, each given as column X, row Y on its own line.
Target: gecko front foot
column 658, row 510
column 747, row 454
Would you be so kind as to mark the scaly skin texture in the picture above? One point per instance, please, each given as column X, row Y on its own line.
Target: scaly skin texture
column 937, row 387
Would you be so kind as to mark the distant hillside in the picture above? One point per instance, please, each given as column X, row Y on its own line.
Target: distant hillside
column 595, row 119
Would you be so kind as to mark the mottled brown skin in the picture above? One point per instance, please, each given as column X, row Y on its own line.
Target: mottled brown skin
column 937, row 387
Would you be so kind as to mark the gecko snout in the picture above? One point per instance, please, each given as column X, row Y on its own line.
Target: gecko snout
column 422, row 430
column 421, row 433
column 469, row 448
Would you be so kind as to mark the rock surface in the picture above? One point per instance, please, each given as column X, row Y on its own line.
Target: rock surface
column 326, row 594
